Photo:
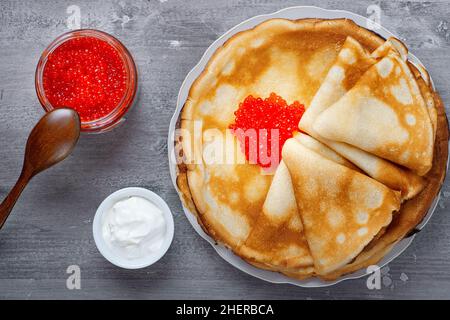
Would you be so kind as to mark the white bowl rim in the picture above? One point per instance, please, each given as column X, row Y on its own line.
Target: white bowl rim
column 121, row 195
column 294, row 12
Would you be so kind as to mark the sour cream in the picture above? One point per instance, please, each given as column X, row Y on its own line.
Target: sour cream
column 134, row 228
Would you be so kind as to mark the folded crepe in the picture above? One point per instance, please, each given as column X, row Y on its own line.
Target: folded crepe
column 384, row 114
column 391, row 45
column 277, row 239
column 316, row 146
column 352, row 61
column 412, row 211
column 393, row 176
column 341, row 209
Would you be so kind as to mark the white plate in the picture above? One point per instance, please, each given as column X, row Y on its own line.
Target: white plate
column 288, row 13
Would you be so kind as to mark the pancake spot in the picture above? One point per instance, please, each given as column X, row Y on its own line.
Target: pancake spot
column 280, row 75
column 335, row 217
column 257, row 43
column 340, row 238
column 405, row 155
column 205, row 107
column 228, row 69
column 212, row 151
column 337, row 73
column 374, row 199
column 384, row 119
column 256, row 188
column 323, row 262
column 311, row 186
column 347, row 56
column 362, row 217
column 402, row 93
column 225, row 101
column 226, row 220
column 404, row 135
column 308, row 223
column 226, row 172
column 233, row 223
column 362, row 231
column 295, row 223
column 410, row 119
column 332, row 187
column 234, row 197
column 385, row 67
column 316, row 67
column 294, row 250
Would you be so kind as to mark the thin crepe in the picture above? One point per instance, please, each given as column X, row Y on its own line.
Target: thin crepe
column 383, row 171
column 316, row 146
column 412, row 211
column 277, row 239
column 341, row 209
column 384, row 114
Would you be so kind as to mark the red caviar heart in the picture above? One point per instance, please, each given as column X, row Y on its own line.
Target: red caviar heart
column 273, row 121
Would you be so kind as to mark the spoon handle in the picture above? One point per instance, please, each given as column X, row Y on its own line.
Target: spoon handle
column 11, row 198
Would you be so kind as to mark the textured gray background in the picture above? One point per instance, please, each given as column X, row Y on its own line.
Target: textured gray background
column 50, row 227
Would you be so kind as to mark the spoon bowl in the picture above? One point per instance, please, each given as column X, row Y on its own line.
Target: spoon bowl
column 51, row 141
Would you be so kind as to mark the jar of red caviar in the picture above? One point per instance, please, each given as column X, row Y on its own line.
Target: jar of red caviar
column 91, row 72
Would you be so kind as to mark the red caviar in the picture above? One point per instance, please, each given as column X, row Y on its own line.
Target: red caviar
column 86, row 74
column 263, row 116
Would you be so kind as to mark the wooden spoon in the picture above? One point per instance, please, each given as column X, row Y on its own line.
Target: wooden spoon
column 50, row 141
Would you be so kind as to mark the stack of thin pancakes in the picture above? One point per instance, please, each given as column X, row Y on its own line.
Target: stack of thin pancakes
column 359, row 176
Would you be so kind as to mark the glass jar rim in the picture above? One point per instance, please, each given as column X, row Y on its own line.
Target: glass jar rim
column 116, row 115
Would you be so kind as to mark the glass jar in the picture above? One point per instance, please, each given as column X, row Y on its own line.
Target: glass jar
column 116, row 115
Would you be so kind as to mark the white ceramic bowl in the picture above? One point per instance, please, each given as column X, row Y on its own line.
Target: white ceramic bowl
column 110, row 255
